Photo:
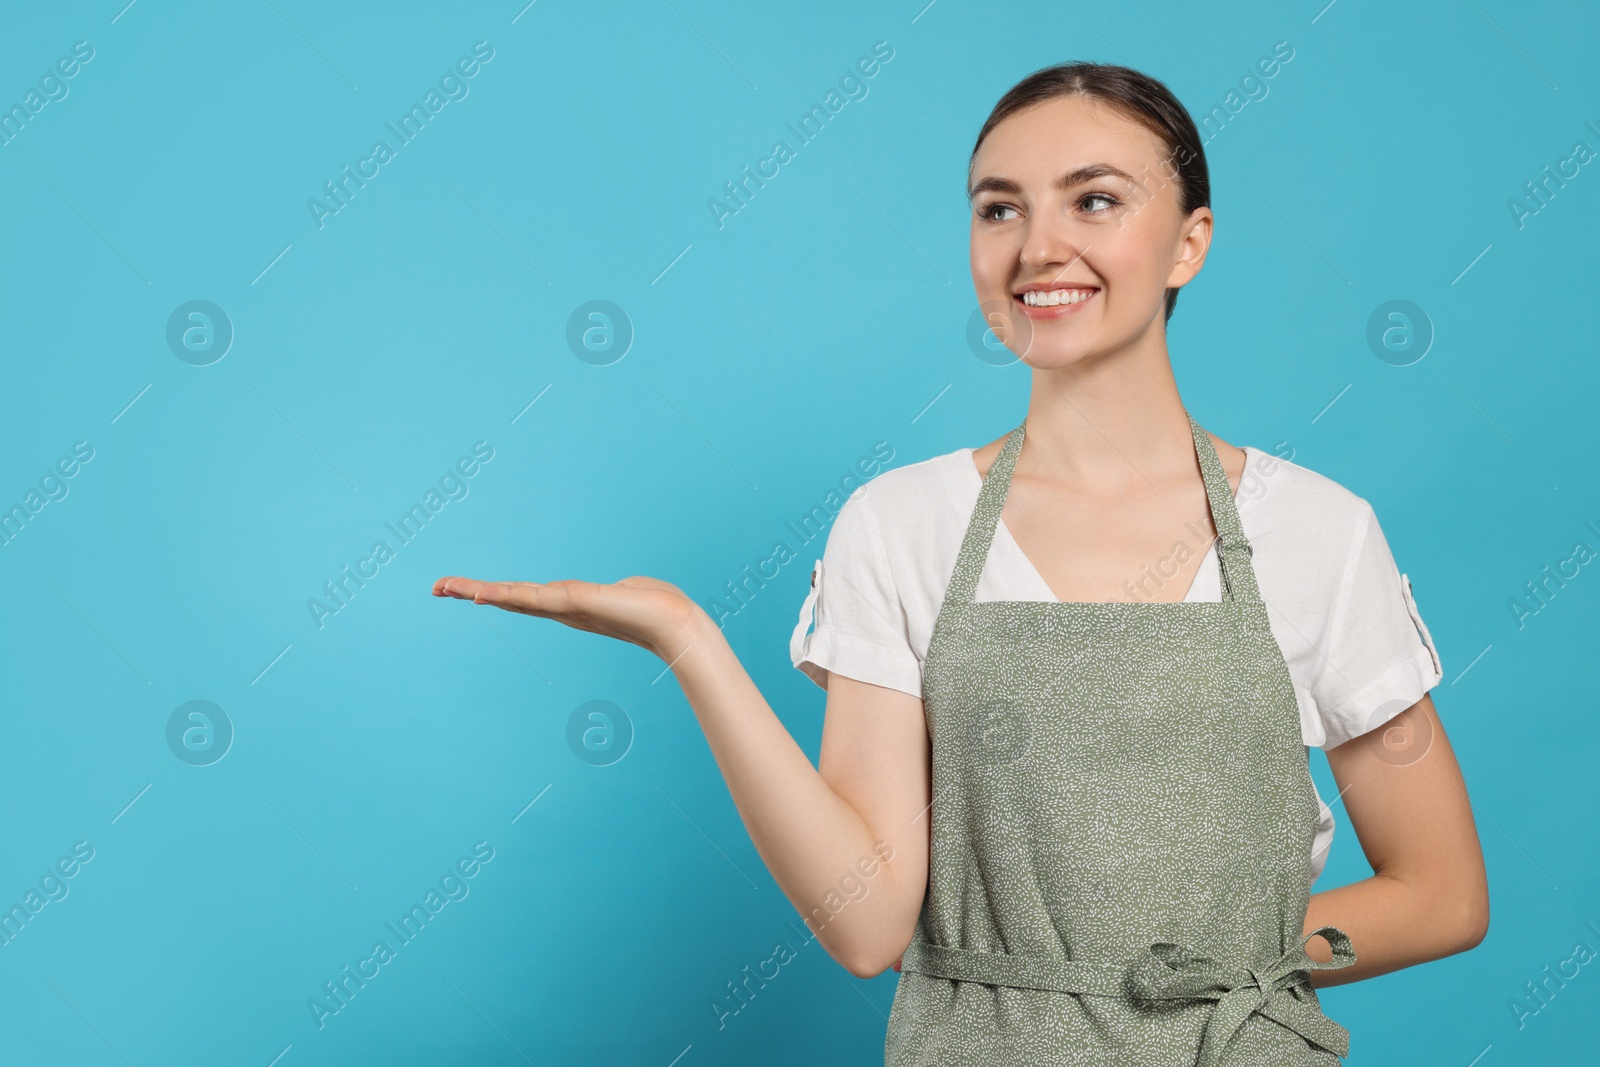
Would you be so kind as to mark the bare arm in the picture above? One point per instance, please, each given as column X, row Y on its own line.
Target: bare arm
column 847, row 843
column 1428, row 896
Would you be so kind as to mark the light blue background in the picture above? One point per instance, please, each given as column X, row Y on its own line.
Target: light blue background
column 827, row 315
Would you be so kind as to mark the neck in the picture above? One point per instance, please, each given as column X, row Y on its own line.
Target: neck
column 1112, row 423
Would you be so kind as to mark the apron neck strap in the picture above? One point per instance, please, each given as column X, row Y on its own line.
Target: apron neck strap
column 1233, row 549
column 985, row 518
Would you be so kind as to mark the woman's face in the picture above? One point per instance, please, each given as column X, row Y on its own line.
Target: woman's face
column 1077, row 231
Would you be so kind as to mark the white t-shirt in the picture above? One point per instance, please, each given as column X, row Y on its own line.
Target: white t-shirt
column 1343, row 615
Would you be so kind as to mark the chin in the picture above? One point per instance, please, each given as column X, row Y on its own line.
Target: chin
column 1057, row 357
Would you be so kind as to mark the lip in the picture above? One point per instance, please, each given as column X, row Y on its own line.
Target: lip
column 1059, row 311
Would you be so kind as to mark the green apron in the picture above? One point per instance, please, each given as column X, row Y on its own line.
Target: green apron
column 1123, row 815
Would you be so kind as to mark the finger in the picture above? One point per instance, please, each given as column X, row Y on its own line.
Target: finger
column 528, row 597
column 569, row 601
column 456, row 586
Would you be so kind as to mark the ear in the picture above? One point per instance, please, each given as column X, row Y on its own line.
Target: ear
column 1194, row 241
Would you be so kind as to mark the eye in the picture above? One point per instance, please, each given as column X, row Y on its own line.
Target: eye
column 987, row 213
column 1110, row 200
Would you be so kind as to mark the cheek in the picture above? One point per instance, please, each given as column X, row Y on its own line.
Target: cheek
column 1134, row 257
column 992, row 259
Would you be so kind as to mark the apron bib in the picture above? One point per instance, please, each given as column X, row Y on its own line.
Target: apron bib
column 1122, row 816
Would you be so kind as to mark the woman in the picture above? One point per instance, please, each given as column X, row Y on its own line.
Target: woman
column 1108, row 715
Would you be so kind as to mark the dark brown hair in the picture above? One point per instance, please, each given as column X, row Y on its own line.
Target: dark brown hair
column 1142, row 99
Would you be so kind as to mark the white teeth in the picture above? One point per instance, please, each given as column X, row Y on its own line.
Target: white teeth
column 1052, row 297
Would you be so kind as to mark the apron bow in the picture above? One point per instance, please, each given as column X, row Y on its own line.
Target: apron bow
column 1168, row 971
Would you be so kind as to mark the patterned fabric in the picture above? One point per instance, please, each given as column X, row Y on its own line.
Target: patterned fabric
column 1122, row 813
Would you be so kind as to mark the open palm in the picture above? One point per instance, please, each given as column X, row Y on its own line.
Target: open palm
column 647, row 612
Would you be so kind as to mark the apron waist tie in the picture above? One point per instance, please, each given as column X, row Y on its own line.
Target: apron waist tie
column 1165, row 971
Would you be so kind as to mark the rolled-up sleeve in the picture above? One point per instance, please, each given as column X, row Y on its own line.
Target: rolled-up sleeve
column 852, row 621
column 1378, row 656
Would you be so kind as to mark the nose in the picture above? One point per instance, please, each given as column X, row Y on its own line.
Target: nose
column 1050, row 244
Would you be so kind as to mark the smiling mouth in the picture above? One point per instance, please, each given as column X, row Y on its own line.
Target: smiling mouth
column 1054, row 303
column 1056, row 297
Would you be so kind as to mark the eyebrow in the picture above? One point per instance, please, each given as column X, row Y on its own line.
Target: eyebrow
column 1076, row 176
